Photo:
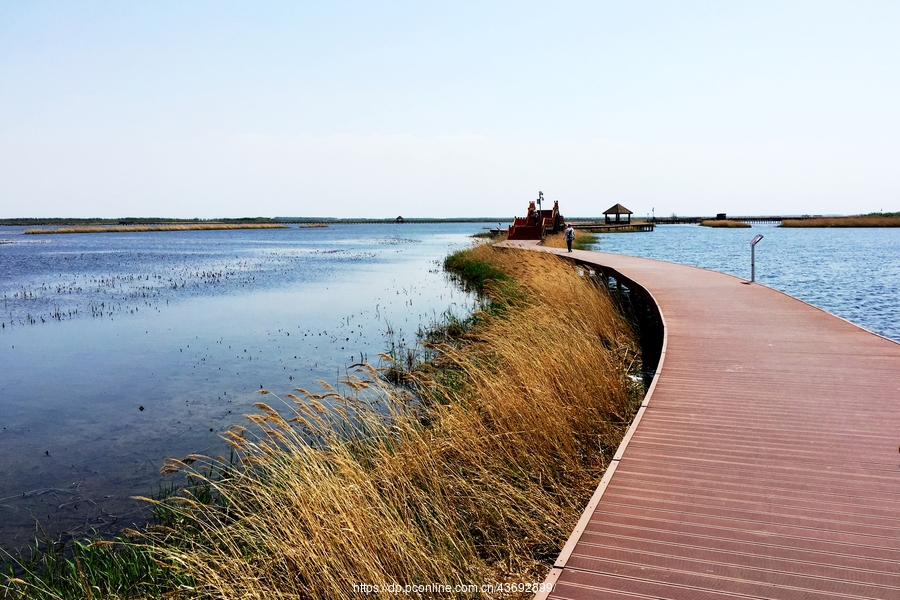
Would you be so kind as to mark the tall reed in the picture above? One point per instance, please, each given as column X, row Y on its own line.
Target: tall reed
column 474, row 473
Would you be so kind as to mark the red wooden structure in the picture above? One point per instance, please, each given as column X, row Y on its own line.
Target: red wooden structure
column 537, row 223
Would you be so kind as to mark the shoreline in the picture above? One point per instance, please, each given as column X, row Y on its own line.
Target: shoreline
column 150, row 228
column 437, row 490
column 287, row 221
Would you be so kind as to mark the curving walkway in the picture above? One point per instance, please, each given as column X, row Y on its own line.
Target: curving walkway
column 764, row 462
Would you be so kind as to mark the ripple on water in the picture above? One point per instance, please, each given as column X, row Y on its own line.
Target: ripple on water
column 188, row 326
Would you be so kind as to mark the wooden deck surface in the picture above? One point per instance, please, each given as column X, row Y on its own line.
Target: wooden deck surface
column 764, row 462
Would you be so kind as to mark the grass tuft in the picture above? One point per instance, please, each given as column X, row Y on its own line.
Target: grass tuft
column 90, row 569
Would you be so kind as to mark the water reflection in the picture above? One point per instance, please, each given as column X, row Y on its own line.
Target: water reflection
column 121, row 349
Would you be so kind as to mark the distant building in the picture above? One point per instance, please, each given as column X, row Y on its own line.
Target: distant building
column 399, row 219
column 617, row 210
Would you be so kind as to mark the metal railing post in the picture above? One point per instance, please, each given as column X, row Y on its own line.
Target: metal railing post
column 753, row 244
column 752, row 263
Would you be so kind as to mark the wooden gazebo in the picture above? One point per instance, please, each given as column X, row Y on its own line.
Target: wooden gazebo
column 617, row 210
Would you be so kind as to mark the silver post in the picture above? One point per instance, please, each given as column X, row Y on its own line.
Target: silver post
column 752, row 263
column 753, row 244
column 540, row 219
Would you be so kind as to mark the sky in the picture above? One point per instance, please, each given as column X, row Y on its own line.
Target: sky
column 379, row 109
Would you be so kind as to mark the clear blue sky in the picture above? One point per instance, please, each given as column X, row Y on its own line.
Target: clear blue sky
column 207, row 109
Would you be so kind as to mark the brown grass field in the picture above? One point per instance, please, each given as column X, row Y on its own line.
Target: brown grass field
column 861, row 221
column 161, row 227
column 478, row 481
column 727, row 223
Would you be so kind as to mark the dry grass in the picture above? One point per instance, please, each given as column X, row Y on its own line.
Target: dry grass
column 727, row 223
column 496, row 238
column 162, row 227
column 584, row 240
column 863, row 221
column 479, row 482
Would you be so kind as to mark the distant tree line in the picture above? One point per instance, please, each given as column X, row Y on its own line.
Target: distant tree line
column 30, row 221
column 128, row 221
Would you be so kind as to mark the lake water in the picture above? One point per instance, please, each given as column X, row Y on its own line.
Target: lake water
column 852, row 273
column 117, row 350
column 188, row 326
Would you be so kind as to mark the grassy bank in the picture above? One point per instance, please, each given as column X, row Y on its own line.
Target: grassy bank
column 727, row 223
column 870, row 220
column 161, row 227
column 584, row 240
column 478, row 481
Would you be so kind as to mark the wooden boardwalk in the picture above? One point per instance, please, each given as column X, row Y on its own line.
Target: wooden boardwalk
column 764, row 462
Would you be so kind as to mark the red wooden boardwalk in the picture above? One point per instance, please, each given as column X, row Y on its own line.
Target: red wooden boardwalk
column 764, row 462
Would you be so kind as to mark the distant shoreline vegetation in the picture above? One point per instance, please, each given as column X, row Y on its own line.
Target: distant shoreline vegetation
column 66, row 221
column 869, row 220
column 161, row 227
column 879, row 219
column 34, row 221
column 727, row 223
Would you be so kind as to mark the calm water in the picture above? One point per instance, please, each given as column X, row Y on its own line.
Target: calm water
column 853, row 273
column 190, row 325
column 117, row 350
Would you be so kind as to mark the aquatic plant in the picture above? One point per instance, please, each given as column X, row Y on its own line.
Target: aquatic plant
column 88, row 569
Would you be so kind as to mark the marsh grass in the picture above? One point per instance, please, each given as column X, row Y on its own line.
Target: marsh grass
column 89, row 569
column 475, row 472
column 161, row 227
column 724, row 223
column 102, row 568
column 871, row 220
column 584, row 240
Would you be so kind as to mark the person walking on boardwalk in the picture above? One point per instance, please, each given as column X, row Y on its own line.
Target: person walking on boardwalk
column 570, row 235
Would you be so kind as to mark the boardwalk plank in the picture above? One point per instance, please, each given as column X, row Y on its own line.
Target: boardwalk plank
column 765, row 464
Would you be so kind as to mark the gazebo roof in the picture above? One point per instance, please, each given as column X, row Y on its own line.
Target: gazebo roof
column 618, row 209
